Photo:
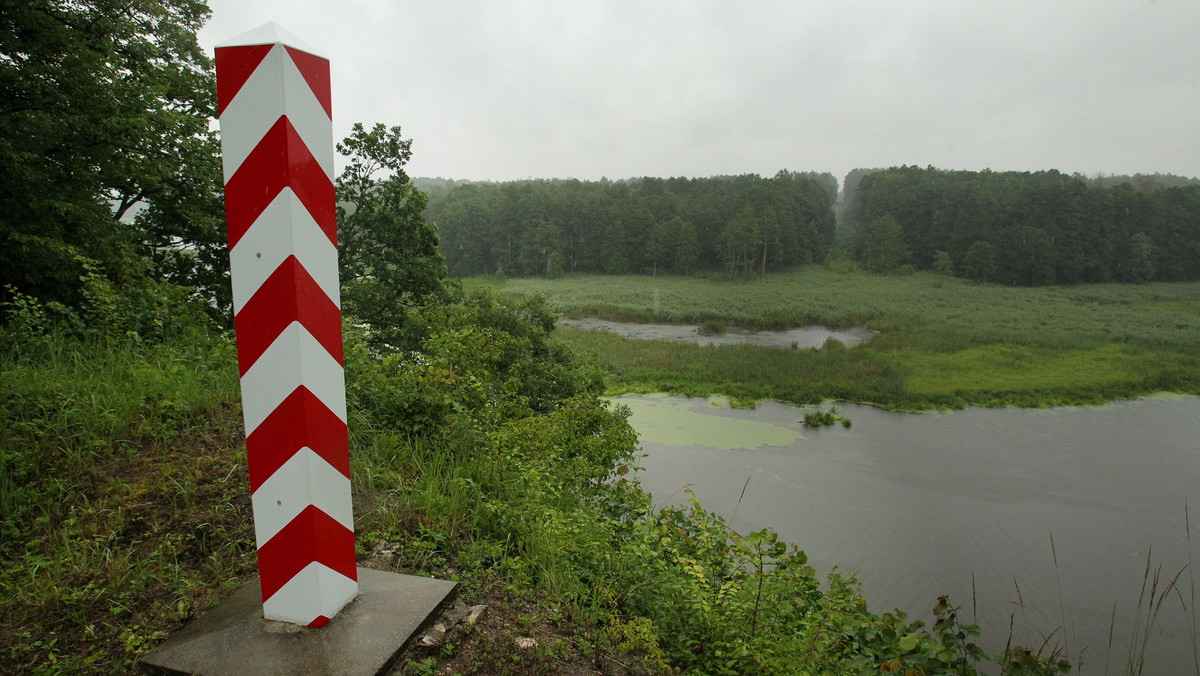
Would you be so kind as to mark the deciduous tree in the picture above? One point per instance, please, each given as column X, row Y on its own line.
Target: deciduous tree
column 883, row 244
column 388, row 254
column 104, row 104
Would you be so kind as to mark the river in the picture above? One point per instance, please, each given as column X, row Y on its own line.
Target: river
column 964, row 503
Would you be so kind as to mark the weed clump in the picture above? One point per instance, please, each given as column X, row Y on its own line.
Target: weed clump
column 816, row 419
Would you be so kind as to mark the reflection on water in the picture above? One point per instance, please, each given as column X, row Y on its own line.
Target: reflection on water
column 805, row 336
column 964, row 503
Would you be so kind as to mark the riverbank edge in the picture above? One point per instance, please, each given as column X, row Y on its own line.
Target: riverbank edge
column 625, row 375
column 751, row 403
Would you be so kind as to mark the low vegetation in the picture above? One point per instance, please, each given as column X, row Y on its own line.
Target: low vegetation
column 484, row 455
column 124, row 493
column 820, row 418
column 940, row 342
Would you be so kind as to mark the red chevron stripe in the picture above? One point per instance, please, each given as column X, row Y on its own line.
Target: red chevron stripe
column 280, row 160
column 289, row 295
column 316, row 73
column 321, row 621
column 312, row 536
column 301, row 420
column 235, row 65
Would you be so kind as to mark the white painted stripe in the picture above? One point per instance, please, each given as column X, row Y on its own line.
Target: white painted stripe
column 294, row 359
column 285, row 228
column 275, row 88
column 315, row 590
column 306, row 479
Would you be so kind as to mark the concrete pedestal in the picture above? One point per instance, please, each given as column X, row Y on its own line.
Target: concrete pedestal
column 364, row 638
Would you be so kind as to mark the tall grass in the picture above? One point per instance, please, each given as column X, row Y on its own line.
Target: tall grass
column 123, row 496
column 1155, row 591
column 71, row 407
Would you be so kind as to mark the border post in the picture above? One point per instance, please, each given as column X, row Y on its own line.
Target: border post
column 275, row 111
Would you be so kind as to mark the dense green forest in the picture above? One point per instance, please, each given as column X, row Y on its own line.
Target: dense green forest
column 1029, row 229
column 650, row 225
column 1014, row 228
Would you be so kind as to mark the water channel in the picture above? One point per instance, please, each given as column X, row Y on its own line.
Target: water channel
column 962, row 503
column 803, row 337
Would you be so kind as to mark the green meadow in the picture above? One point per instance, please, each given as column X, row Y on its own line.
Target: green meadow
column 941, row 342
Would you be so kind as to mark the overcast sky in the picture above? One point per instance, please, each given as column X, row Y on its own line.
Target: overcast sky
column 557, row 89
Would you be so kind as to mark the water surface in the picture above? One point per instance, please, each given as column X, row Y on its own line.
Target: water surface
column 964, row 503
column 805, row 336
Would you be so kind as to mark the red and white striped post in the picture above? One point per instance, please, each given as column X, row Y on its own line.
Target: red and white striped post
column 273, row 98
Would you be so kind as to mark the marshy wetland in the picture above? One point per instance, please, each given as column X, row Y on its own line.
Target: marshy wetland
column 938, row 342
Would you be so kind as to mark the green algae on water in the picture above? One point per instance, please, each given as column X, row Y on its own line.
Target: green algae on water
column 699, row 423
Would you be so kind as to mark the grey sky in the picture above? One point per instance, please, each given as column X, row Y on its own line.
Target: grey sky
column 541, row 89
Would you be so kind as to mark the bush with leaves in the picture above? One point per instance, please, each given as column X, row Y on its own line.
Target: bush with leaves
column 483, row 359
column 723, row 603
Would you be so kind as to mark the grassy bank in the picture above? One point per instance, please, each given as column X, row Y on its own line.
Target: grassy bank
column 124, row 497
column 941, row 342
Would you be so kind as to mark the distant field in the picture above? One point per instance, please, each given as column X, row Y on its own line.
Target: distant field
column 942, row 342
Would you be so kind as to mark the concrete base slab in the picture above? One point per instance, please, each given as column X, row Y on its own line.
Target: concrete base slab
column 364, row 638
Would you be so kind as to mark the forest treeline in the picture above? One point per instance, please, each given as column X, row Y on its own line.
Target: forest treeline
column 648, row 225
column 1017, row 228
column 1023, row 228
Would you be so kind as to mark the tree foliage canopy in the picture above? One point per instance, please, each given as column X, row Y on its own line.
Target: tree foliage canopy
column 1030, row 229
column 388, row 254
column 742, row 224
column 104, row 105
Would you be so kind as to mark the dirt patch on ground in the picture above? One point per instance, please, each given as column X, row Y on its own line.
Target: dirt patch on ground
column 496, row 633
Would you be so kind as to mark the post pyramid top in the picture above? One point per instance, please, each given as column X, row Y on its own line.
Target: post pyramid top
column 267, row 34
